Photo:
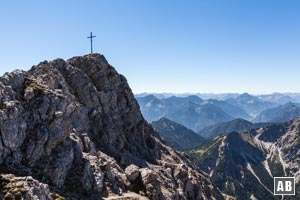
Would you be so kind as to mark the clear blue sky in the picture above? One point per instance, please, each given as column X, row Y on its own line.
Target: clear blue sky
column 164, row 45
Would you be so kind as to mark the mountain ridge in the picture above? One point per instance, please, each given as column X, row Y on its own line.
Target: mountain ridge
column 176, row 135
column 243, row 164
column 253, row 105
column 75, row 130
column 281, row 113
column 196, row 116
column 238, row 125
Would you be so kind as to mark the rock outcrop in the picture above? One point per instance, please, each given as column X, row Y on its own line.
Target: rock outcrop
column 73, row 129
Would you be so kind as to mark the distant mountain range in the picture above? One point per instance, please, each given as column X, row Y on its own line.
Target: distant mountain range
column 196, row 117
column 230, row 109
column 276, row 97
column 177, row 136
column 281, row 113
column 205, row 96
column 196, row 113
column 243, row 165
column 251, row 139
column 251, row 104
column 154, row 108
column 182, row 109
column 151, row 107
column 177, row 102
column 239, row 125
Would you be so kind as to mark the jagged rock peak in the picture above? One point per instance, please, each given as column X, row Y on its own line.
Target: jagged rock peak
column 75, row 127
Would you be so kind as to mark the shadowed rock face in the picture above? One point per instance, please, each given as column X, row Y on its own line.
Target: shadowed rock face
column 75, row 127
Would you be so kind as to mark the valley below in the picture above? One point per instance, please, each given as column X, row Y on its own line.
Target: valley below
column 257, row 140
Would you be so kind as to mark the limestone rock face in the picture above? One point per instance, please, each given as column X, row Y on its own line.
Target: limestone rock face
column 132, row 172
column 24, row 187
column 75, row 127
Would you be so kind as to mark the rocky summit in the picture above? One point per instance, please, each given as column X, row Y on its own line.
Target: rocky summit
column 73, row 130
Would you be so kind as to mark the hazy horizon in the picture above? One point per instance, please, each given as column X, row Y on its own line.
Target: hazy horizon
column 213, row 93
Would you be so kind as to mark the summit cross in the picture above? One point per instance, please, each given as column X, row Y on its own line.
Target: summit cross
column 91, row 37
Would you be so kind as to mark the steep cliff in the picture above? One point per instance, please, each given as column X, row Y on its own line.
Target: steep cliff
column 73, row 129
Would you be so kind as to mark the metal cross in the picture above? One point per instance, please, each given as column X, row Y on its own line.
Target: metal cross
column 91, row 37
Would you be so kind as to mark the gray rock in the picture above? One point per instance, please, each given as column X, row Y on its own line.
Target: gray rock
column 132, row 172
column 75, row 125
column 25, row 188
